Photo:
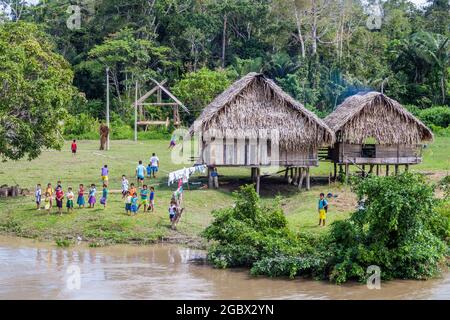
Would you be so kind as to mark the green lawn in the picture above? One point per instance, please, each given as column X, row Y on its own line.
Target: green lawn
column 98, row 225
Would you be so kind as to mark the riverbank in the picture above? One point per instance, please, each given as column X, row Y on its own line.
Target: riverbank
column 100, row 227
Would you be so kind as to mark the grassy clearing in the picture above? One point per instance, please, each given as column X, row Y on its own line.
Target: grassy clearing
column 111, row 225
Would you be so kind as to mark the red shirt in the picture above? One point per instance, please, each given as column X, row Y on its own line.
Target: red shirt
column 74, row 146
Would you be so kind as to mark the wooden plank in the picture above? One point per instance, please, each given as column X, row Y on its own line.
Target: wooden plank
column 149, row 93
column 159, row 104
column 390, row 160
column 172, row 96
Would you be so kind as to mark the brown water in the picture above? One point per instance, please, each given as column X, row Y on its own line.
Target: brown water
column 34, row 270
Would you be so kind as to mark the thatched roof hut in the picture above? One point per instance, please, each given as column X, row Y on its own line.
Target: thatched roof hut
column 256, row 104
column 373, row 114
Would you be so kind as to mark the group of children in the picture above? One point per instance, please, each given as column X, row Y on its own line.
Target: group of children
column 130, row 195
column 56, row 197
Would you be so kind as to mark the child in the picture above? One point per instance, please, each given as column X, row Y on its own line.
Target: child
column 144, row 198
column 92, row 199
column 73, row 147
column 323, row 208
column 140, row 172
column 154, row 164
column 38, row 196
column 70, row 196
column 172, row 211
column 125, row 185
column 149, row 171
column 49, row 190
column 59, row 193
column 152, row 199
column 128, row 203
column 104, row 198
column 47, row 202
column 80, row 199
column 134, row 206
column 132, row 189
column 105, row 173
column 172, row 142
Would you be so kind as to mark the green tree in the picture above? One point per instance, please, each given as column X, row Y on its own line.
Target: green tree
column 36, row 87
column 198, row 89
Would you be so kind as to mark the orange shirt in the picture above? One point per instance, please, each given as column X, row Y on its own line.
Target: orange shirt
column 132, row 191
column 49, row 190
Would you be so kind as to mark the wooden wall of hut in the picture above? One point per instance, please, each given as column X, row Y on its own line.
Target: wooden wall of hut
column 375, row 154
column 254, row 152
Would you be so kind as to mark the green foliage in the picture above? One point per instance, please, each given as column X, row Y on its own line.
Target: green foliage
column 36, row 88
column 249, row 232
column 436, row 115
column 398, row 229
column 198, row 89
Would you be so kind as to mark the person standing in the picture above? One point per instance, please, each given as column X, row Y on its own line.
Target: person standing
column 74, row 147
column 323, row 208
column 154, row 164
column 140, row 174
column 104, row 174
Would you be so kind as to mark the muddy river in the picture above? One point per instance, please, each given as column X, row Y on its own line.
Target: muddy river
column 36, row 270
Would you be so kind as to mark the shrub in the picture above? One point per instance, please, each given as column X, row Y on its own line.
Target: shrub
column 249, row 232
column 397, row 229
column 80, row 126
column 436, row 115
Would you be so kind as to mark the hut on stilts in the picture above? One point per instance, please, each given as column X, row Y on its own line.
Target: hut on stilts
column 255, row 124
column 374, row 130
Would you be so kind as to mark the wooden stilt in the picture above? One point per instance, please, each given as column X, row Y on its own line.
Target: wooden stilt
column 308, row 180
column 216, row 179
column 371, row 168
column 387, row 170
column 406, row 167
column 258, row 178
column 335, row 171
column 396, row 169
column 294, row 181
column 302, row 177
column 378, row 170
column 286, row 174
column 347, row 171
column 210, row 178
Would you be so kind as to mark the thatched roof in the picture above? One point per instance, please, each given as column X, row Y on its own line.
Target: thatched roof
column 256, row 104
column 375, row 115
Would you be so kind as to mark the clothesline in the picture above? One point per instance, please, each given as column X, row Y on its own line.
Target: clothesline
column 185, row 173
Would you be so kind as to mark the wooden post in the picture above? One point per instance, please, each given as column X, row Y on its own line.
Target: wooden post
column 135, row 111
column 387, row 170
column 300, row 172
column 396, row 169
column 286, row 174
column 347, row 172
column 216, row 179
column 378, row 170
column 308, row 179
column 294, row 181
column 335, row 171
column 210, row 178
column 371, row 168
column 258, row 178
column 302, row 176
column 406, row 167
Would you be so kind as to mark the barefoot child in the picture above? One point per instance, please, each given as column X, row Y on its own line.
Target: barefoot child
column 132, row 189
column 59, row 193
column 172, row 211
column 128, row 203
column 134, row 204
column 80, row 199
column 144, row 198
column 104, row 198
column 125, row 186
column 152, row 199
column 92, row 199
column 50, row 191
column 73, row 147
column 104, row 174
column 323, row 208
column 70, row 196
column 47, row 202
column 38, row 196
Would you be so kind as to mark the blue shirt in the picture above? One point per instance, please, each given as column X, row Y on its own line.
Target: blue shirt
column 322, row 203
column 149, row 170
column 140, row 170
column 152, row 195
column 134, row 201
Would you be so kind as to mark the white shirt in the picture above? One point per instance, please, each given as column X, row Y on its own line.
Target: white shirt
column 125, row 185
column 154, row 161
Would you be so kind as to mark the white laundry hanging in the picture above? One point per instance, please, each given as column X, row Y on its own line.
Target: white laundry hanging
column 185, row 173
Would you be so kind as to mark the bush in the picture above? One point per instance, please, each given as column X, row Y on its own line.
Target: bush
column 436, row 115
column 80, row 126
column 250, row 232
column 398, row 229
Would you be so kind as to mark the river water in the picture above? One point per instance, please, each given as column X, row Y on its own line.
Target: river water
column 36, row 270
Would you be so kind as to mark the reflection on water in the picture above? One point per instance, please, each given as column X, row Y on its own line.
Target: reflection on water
column 33, row 270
